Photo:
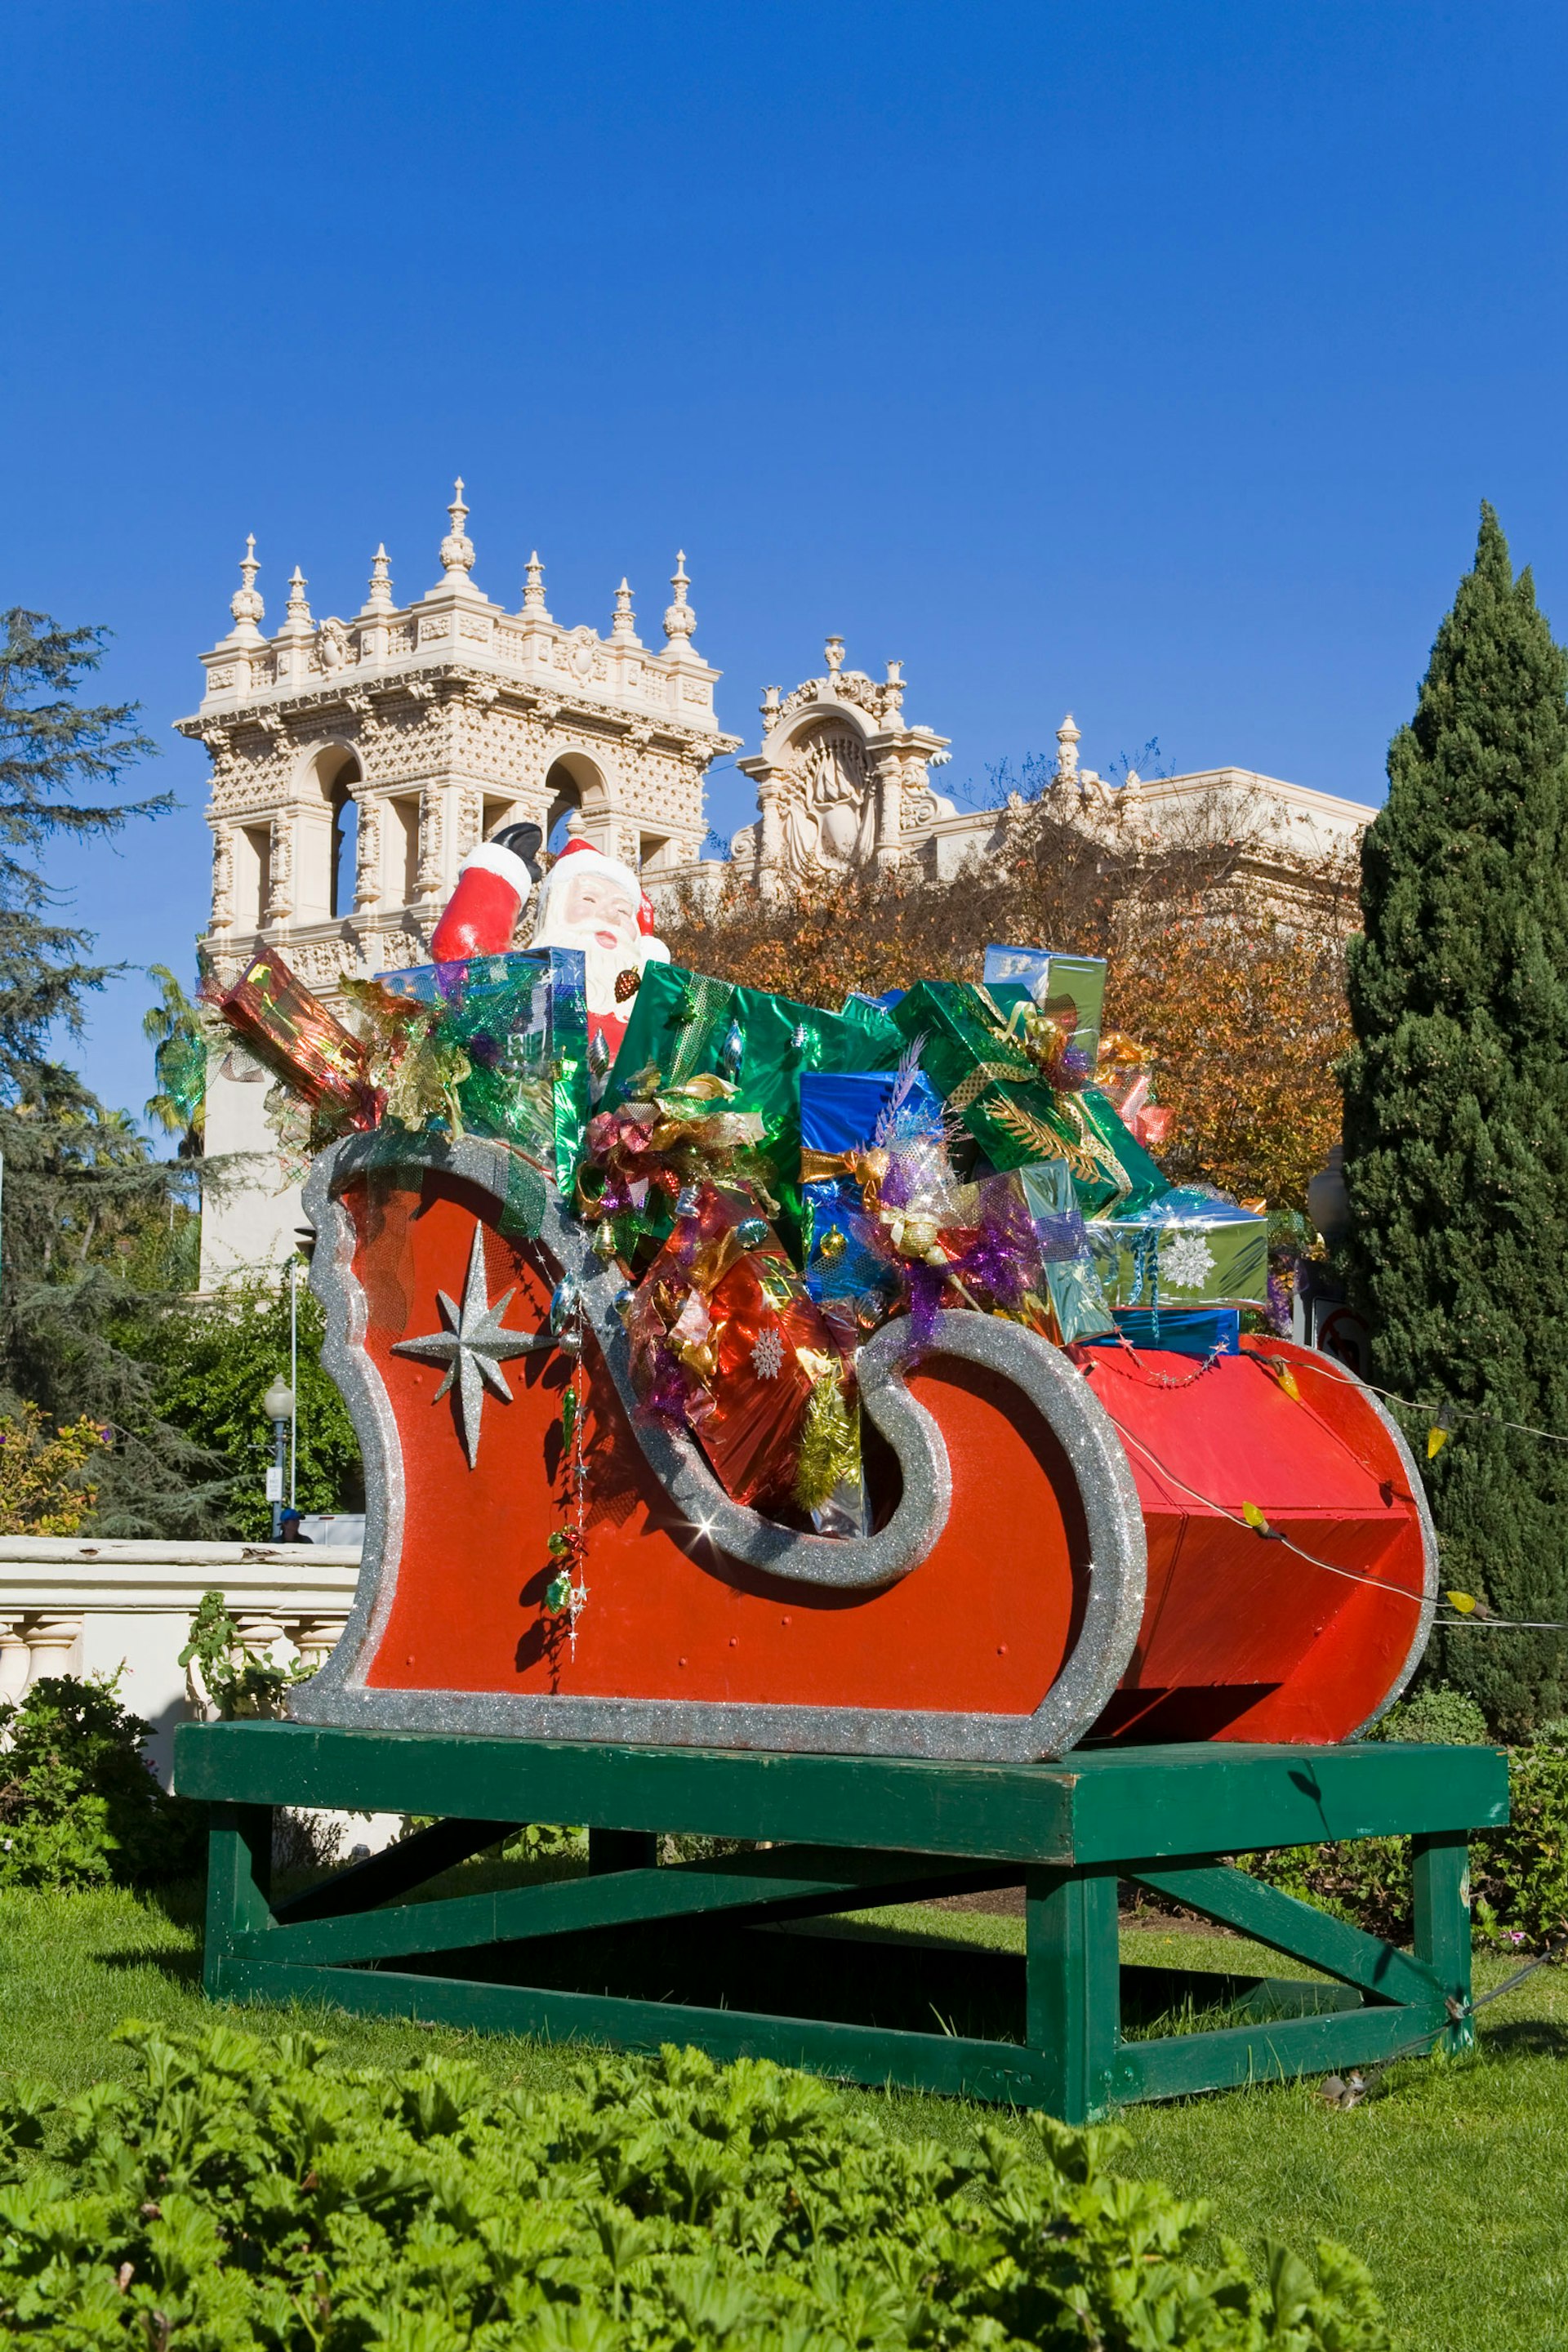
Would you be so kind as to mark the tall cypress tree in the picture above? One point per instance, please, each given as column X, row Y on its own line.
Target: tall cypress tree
column 1457, row 1116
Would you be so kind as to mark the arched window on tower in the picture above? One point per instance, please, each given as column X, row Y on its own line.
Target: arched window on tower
column 565, row 794
column 327, row 836
column 345, row 847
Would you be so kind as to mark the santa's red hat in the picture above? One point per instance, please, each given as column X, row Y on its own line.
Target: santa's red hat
column 591, row 860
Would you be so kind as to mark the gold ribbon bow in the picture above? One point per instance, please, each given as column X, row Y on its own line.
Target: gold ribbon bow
column 867, row 1164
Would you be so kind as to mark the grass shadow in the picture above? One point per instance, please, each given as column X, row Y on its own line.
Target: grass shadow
column 1527, row 2037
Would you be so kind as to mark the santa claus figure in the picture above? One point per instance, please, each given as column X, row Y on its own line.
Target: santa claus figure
column 586, row 900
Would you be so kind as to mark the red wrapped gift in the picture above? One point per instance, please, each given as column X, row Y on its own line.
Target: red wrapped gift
column 272, row 1010
column 725, row 1340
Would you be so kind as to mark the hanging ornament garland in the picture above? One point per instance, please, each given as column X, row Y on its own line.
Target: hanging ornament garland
column 566, row 1593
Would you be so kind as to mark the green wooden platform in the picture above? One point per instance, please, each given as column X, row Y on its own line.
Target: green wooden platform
column 728, row 1953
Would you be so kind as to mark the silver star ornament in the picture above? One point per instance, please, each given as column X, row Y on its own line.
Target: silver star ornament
column 473, row 1346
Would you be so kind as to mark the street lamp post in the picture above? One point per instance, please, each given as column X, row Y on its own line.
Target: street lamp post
column 277, row 1404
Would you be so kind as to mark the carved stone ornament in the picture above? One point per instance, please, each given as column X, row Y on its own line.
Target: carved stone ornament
column 334, row 647
column 826, row 810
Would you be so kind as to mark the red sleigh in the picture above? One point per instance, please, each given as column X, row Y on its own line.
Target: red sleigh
column 1059, row 1554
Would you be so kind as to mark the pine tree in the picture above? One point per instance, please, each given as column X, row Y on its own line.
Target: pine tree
column 53, row 752
column 82, row 1192
column 1456, row 1117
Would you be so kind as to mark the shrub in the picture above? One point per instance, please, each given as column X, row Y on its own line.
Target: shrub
column 42, row 1489
column 1436, row 1713
column 237, row 1681
column 79, row 1803
column 240, row 2192
column 1519, row 1876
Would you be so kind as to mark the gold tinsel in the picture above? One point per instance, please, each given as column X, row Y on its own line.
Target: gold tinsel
column 829, row 1443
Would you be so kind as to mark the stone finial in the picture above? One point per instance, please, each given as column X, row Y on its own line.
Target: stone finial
column 575, row 828
column 769, row 707
column 380, row 598
column 893, row 691
column 1068, row 740
column 624, row 627
column 457, row 548
column 833, row 653
column 297, row 613
column 533, row 590
column 679, row 620
column 245, row 604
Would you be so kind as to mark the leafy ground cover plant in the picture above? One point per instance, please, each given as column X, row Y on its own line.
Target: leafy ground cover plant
column 78, row 1804
column 241, row 2192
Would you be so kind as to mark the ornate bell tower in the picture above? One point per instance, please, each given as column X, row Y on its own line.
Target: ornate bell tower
column 356, row 762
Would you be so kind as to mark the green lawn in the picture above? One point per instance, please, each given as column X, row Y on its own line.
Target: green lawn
column 1450, row 2182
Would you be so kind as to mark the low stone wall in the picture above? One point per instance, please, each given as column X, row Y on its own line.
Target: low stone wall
column 81, row 1605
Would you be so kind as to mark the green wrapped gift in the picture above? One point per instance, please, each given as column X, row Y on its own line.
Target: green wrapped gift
column 1191, row 1248
column 1053, row 979
column 1072, row 1284
column 521, row 1022
column 980, row 1066
column 684, row 1023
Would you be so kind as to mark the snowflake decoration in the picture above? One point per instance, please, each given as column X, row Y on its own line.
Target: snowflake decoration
column 1187, row 1261
column 767, row 1354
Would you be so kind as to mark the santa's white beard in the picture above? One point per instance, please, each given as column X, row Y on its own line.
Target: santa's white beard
column 602, row 965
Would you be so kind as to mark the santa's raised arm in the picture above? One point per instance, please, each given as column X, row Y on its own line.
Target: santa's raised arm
column 586, row 900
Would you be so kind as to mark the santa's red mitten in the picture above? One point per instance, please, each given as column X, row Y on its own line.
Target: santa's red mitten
column 494, row 885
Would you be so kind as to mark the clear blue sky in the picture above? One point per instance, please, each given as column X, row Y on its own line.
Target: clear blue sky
column 1147, row 359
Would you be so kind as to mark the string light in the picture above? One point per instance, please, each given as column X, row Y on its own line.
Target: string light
column 1249, row 1516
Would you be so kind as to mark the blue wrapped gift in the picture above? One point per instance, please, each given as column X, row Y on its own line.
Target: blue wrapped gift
column 839, row 1115
column 1179, row 1331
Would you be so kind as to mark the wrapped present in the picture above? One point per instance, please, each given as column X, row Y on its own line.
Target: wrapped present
column 1058, row 980
column 1125, row 1077
column 1205, row 1332
column 726, row 1342
column 990, row 1066
column 519, row 1024
column 1192, row 1247
column 847, row 1126
column 1072, row 1285
column 683, row 1025
column 644, row 1154
column 270, row 1009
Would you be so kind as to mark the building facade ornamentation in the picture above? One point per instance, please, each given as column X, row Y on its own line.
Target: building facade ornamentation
column 842, row 782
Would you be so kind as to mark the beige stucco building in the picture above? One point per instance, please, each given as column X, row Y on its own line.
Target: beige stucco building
column 355, row 762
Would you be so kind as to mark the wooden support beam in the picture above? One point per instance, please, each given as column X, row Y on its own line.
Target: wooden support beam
column 240, row 1882
column 397, row 1869
column 1381, row 1970
column 1175, row 2064
column 785, row 1883
column 947, row 2064
column 1442, row 1876
column 1073, row 1999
